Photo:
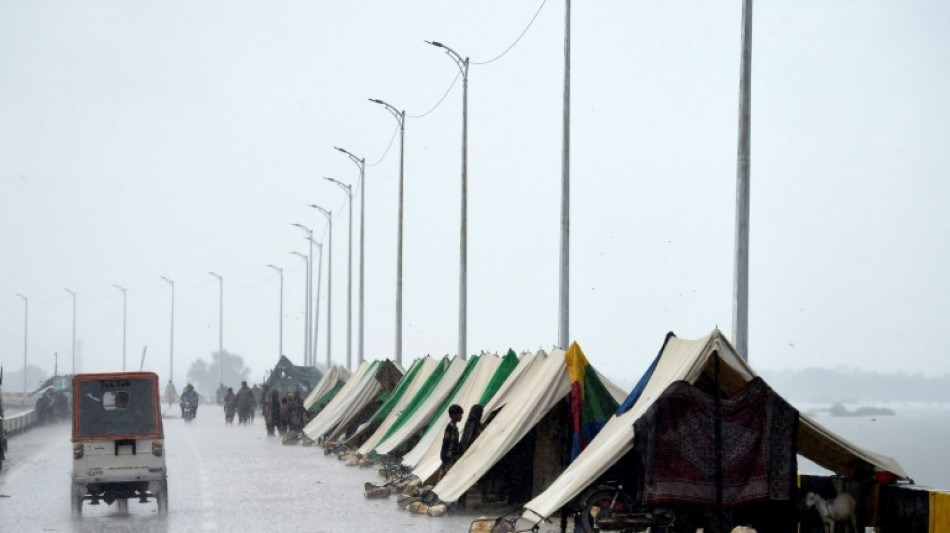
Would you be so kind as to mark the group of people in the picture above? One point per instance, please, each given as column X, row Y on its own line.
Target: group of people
column 284, row 415
column 454, row 444
column 242, row 402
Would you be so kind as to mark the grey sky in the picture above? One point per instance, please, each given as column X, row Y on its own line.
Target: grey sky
column 142, row 139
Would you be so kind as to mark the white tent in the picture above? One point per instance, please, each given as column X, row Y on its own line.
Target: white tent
column 361, row 404
column 529, row 399
column 328, row 418
column 326, row 384
column 427, row 366
column 688, row 360
column 424, row 456
column 424, row 412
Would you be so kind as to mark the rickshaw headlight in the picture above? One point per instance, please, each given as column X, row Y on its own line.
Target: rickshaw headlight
column 157, row 448
column 78, row 450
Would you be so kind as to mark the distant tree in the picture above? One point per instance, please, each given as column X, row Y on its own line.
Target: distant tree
column 204, row 376
column 199, row 377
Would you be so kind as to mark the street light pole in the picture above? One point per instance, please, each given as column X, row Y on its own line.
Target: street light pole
column 220, row 325
column 124, row 307
column 73, row 294
column 401, row 119
column 280, row 342
column 361, row 164
column 740, row 303
column 171, row 343
column 306, row 299
column 564, row 285
column 349, row 276
column 26, row 319
column 463, row 241
column 309, row 344
column 329, row 215
column 316, row 311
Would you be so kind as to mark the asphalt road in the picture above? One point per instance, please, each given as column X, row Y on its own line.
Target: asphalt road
column 221, row 478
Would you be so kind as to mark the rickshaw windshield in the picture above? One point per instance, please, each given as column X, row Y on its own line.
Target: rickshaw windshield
column 116, row 407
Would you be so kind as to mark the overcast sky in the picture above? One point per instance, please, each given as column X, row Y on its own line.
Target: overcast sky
column 144, row 139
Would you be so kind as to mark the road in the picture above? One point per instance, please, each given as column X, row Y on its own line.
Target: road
column 220, row 478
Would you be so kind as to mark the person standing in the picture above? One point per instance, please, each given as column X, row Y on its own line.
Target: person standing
column 171, row 395
column 230, row 405
column 451, row 451
column 245, row 403
column 473, row 428
column 295, row 420
column 271, row 409
column 284, row 418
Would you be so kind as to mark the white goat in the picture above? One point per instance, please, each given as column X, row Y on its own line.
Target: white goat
column 839, row 509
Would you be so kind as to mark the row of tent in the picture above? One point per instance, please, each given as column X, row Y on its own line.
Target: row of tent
column 574, row 422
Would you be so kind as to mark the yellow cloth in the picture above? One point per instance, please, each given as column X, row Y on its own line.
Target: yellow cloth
column 576, row 365
column 939, row 512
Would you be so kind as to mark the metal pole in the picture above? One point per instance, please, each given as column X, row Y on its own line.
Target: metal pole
column 311, row 353
column 564, row 289
column 402, row 158
column 463, row 238
column 306, row 298
column 26, row 328
column 401, row 120
column 171, row 344
column 280, row 321
column 316, row 318
column 349, row 276
column 220, row 325
column 361, row 164
column 73, row 294
column 309, row 344
column 124, row 308
column 740, row 308
column 329, row 215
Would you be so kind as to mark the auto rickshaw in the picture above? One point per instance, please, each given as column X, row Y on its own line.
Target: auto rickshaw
column 118, row 441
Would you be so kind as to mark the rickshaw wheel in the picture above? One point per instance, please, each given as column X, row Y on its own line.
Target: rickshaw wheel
column 162, row 498
column 76, row 501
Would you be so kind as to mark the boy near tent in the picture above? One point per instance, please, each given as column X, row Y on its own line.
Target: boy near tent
column 450, row 445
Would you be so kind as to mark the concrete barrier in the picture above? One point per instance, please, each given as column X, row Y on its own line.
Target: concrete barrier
column 19, row 422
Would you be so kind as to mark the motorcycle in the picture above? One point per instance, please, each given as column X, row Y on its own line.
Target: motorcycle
column 189, row 410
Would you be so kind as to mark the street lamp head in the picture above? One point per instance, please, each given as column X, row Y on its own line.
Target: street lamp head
column 325, row 212
column 172, row 283
column 375, row 100
column 215, row 274
column 70, row 292
column 436, row 44
column 21, row 296
column 345, row 186
column 360, row 162
column 305, row 228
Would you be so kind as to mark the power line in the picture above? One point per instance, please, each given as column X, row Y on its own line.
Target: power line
column 499, row 56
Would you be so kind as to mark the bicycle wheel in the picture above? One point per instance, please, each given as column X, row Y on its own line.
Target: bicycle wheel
column 600, row 499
